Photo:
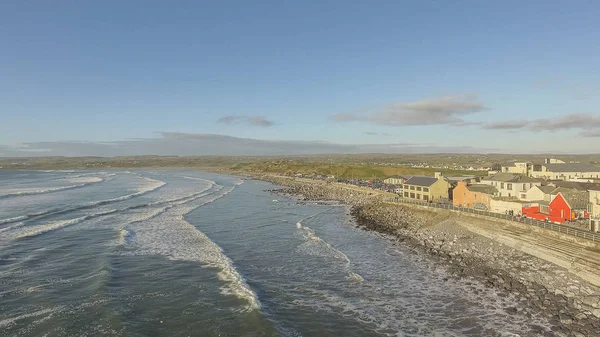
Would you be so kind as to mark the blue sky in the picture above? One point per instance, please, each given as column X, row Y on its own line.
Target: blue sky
column 510, row 76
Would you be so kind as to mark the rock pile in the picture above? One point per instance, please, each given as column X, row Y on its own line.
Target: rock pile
column 569, row 303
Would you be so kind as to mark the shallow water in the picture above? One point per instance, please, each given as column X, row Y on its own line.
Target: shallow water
column 185, row 253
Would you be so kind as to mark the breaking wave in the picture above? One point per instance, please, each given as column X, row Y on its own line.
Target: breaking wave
column 172, row 236
column 15, row 219
column 50, row 190
column 155, row 184
column 329, row 251
column 20, row 224
column 56, row 225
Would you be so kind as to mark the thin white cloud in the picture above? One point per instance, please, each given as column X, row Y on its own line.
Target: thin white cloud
column 195, row 144
column 448, row 110
column 506, row 125
column 251, row 120
column 376, row 134
column 587, row 124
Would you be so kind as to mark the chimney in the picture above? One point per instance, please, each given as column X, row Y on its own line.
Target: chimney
column 438, row 175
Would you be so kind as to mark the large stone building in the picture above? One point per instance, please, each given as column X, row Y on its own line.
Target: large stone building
column 426, row 188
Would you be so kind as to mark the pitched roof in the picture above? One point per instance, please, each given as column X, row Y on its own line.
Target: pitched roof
column 461, row 178
column 546, row 189
column 576, row 199
column 571, row 167
column 512, row 178
column 482, row 188
column 421, row 181
column 576, row 185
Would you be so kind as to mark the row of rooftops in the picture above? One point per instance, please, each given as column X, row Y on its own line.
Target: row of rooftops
column 547, row 185
column 512, row 178
column 558, row 166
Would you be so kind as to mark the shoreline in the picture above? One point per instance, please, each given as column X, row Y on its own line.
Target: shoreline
column 570, row 303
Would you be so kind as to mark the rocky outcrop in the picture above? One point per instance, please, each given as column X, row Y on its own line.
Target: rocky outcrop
column 323, row 191
column 569, row 303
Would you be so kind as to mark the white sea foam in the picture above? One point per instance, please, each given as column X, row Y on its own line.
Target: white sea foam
column 198, row 179
column 12, row 321
column 34, row 191
column 15, row 219
column 56, row 225
column 329, row 251
column 152, row 186
column 17, row 225
column 170, row 235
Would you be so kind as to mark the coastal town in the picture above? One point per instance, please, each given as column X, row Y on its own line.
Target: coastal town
column 551, row 190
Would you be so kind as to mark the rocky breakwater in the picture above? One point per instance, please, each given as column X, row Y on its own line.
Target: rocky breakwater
column 540, row 288
column 323, row 191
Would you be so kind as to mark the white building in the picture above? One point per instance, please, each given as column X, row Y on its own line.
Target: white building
column 552, row 170
column 511, row 185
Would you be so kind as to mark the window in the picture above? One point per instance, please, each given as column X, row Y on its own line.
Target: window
column 524, row 187
column 426, row 197
column 509, row 195
column 412, row 195
column 418, row 196
column 475, row 196
column 509, row 186
column 523, row 196
column 412, row 188
column 502, row 185
column 405, row 187
column 425, row 189
column 406, row 194
column 418, row 188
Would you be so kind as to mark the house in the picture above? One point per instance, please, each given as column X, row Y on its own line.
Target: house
column 426, row 188
column 566, row 205
column 395, row 180
column 477, row 196
column 537, row 193
column 469, row 179
column 553, row 170
column 511, row 184
column 516, row 167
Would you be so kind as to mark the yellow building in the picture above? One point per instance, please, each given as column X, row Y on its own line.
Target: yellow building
column 425, row 188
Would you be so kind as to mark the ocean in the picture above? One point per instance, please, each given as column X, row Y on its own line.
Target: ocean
column 187, row 253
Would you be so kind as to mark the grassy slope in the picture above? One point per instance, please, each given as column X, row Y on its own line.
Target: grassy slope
column 342, row 170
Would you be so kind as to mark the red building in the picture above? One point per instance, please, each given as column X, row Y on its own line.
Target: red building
column 559, row 210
